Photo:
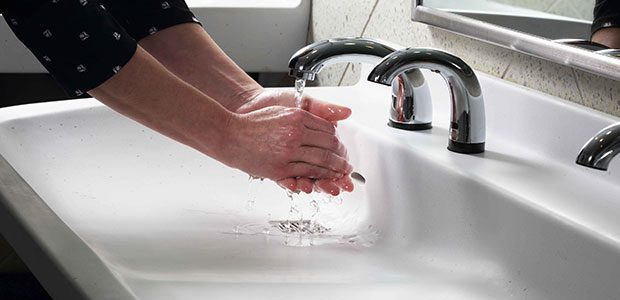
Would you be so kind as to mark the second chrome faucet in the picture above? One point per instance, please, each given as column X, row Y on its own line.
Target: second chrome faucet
column 467, row 120
column 411, row 107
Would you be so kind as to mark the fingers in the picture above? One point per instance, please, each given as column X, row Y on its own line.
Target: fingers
column 334, row 187
column 328, row 186
column 297, row 184
column 328, row 111
column 288, row 183
column 317, row 123
column 305, row 184
column 324, row 140
column 345, row 183
column 302, row 169
column 323, row 158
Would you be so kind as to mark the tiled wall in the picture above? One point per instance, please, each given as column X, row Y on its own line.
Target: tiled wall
column 580, row 9
column 391, row 20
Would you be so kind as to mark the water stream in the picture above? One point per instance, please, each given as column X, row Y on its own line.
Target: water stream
column 300, row 85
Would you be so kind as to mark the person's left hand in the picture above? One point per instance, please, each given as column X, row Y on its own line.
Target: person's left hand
column 327, row 111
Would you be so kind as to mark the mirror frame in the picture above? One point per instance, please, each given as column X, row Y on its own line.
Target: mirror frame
column 518, row 41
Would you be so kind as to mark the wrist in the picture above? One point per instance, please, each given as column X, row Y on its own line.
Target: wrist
column 244, row 97
column 225, row 147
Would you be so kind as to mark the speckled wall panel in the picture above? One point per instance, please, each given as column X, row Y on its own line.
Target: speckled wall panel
column 346, row 18
column 390, row 20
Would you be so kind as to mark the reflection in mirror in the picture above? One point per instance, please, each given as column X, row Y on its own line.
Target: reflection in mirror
column 552, row 19
column 519, row 26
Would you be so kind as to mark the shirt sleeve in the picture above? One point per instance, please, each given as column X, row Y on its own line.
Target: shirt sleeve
column 142, row 18
column 606, row 14
column 77, row 41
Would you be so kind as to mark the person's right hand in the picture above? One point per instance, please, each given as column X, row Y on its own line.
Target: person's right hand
column 279, row 142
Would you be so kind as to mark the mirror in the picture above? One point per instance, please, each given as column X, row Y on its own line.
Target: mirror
column 552, row 19
column 556, row 30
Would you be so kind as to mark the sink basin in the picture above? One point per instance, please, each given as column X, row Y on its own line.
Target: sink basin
column 100, row 207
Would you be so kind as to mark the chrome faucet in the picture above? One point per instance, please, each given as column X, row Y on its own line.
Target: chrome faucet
column 411, row 107
column 467, row 126
column 598, row 152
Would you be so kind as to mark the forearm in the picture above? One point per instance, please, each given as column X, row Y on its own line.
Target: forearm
column 190, row 53
column 148, row 93
column 609, row 37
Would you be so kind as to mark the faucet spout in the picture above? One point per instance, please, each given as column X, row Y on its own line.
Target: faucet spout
column 310, row 60
column 467, row 126
column 411, row 107
column 599, row 151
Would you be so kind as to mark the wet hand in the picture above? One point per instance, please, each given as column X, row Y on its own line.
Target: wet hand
column 327, row 111
column 279, row 142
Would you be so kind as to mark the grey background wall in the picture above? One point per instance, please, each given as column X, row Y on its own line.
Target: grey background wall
column 391, row 20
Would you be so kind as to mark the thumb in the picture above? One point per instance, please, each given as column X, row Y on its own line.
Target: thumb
column 328, row 111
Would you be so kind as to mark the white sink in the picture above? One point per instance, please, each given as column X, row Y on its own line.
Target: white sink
column 124, row 213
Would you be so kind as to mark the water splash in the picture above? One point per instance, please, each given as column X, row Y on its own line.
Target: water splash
column 295, row 211
column 303, row 234
column 305, row 225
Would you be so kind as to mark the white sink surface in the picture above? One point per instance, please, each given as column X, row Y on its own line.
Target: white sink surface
column 125, row 213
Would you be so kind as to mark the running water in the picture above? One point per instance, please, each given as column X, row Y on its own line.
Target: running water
column 299, row 230
column 253, row 189
column 300, row 85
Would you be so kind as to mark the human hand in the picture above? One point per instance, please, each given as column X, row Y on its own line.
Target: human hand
column 327, row 111
column 278, row 142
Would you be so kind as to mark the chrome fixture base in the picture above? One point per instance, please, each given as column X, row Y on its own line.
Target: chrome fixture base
column 410, row 127
column 465, row 148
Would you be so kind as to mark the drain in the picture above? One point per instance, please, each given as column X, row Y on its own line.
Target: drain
column 358, row 177
column 300, row 226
